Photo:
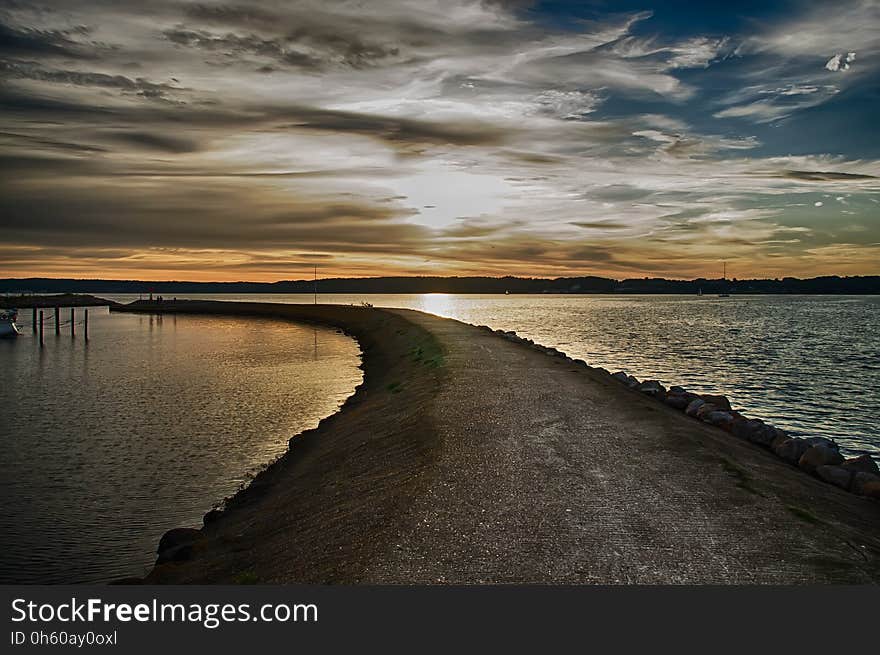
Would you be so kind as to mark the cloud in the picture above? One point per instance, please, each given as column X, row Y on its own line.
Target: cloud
column 417, row 136
column 840, row 61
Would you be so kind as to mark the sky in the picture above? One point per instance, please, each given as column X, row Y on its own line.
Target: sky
column 221, row 140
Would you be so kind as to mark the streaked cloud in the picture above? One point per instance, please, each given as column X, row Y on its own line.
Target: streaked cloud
column 418, row 136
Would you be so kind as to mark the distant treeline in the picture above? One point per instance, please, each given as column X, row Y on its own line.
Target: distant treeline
column 823, row 285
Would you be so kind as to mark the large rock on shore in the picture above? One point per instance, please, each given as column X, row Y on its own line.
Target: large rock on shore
column 694, row 406
column 719, row 401
column 791, row 450
column 176, row 544
column 861, row 482
column 836, row 475
column 652, row 388
column 719, row 418
column 679, row 401
column 863, row 463
column 819, row 455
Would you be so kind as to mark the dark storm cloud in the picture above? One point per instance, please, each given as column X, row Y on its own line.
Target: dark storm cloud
column 232, row 14
column 151, row 141
column 138, row 86
column 31, row 42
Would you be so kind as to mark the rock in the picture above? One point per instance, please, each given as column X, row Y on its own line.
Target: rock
column 177, row 537
column 719, row 419
column 791, row 449
column 862, row 463
column 632, row 382
column 768, row 436
column 212, row 516
column 822, row 441
column 719, row 401
column 836, row 475
column 819, row 455
column 694, row 406
column 677, row 389
column 861, row 480
column 780, row 436
column 871, row 489
column 652, row 388
column 705, row 409
column 679, row 401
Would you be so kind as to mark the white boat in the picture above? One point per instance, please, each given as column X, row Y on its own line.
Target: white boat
column 8, row 328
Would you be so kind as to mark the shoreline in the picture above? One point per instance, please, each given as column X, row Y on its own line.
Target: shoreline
column 403, row 488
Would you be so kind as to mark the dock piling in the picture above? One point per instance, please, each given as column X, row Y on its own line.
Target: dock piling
column 57, row 320
column 86, row 325
column 41, row 328
column 34, row 320
column 73, row 321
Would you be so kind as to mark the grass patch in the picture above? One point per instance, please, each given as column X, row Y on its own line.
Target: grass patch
column 742, row 477
column 395, row 387
column 246, row 577
column 804, row 514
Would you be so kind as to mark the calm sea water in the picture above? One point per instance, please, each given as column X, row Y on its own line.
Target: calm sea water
column 107, row 444
column 809, row 364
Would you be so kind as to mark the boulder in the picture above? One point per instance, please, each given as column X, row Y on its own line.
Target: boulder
column 719, row 401
column 819, row 455
column 620, row 376
column 177, row 545
column 779, row 437
column 822, row 441
column 677, row 389
column 632, row 382
column 177, row 537
column 791, row 449
column 705, row 409
column 679, row 401
column 652, row 388
column 836, row 475
column 861, row 480
column 862, row 463
column 719, row 418
column 871, row 489
column 694, row 406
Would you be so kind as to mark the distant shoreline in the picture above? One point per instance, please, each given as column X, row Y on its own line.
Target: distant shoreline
column 589, row 285
column 468, row 458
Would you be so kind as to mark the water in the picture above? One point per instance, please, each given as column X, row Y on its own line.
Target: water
column 809, row 364
column 108, row 444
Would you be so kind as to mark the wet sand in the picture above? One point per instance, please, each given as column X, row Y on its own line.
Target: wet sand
column 468, row 458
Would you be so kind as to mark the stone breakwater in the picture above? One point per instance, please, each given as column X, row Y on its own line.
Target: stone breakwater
column 816, row 456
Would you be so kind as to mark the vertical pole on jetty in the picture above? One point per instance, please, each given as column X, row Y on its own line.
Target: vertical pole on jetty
column 34, row 319
column 73, row 321
column 41, row 328
column 86, row 325
column 57, row 320
column 316, row 285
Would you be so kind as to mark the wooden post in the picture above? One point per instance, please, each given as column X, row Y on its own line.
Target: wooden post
column 57, row 320
column 34, row 319
column 41, row 328
column 73, row 321
column 86, row 325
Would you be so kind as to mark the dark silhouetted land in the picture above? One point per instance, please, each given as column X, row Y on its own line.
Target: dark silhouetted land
column 818, row 285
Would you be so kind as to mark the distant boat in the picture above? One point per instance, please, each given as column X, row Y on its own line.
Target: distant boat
column 8, row 328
